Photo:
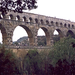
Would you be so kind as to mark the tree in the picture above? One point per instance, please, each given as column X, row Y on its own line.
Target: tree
column 63, row 49
column 31, row 62
column 17, row 5
column 8, row 63
column 16, row 43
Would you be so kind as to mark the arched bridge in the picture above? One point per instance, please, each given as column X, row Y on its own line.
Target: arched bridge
column 31, row 23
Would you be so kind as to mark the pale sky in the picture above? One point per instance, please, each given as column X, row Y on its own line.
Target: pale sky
column 64, row 9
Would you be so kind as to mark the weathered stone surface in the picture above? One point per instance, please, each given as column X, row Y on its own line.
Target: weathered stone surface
column 31, row 23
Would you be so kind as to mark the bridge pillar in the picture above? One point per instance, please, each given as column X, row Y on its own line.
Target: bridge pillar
column 8, row 39
column 35, row 41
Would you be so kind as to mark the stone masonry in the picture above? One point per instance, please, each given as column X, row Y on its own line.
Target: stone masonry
column 31, row 23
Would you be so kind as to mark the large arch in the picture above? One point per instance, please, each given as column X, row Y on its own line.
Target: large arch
column 59, row 33
column 4, row 35
column 70, row 33
column 30, row 35
column 47, row 35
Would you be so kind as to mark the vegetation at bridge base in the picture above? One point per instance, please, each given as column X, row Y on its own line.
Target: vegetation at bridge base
column 9, row 64
column 63, row 49
column 58, row 61
column 31, row 63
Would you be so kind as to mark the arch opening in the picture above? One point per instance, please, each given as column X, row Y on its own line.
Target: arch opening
column 10, row 17
column 69, row 25
column 24, row 19
column 47, row 22
column 17, row 18
column 65, row 25
column 23, row 37
column 72, row 26
column 61, row 24
column 57, row 24
column 70, row 34
column 3, row 35
column 1, row 38
column 36, row 20
column 42, row 22
column 1, row 16
column 57, row 35
column 43, row 37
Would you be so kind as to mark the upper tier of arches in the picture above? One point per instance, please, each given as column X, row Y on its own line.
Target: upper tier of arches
column 38, row 19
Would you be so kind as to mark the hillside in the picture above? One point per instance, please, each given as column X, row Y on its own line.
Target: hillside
column 24, row 41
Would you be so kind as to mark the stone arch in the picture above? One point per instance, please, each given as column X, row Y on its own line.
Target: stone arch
column 41, row 21
column 47, row 35
column 52, row 23
column 57, row 24
column 4, row 35
column 30, row 34
column 11, row 16
column 31, row 20
column 70, row 33
column 1, row 16
column 60, row 33
column 65, row 25
column 24, row 19
column 36, row 20
column 61, row 24
column 69, row 25
column 47, row 22
column 18, row 17
column 72, row 26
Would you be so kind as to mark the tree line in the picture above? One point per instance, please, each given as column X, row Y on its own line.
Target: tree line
column 60, row 60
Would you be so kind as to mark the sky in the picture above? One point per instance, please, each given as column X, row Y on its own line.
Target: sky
column 63, row 9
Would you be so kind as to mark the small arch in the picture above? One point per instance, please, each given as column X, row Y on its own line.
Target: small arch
column 52, row 23
column 24, row 19
column 65, row 25
column 72, row 26
column 69, row 25
column 10, row 16
column 18, row 18
column 61, row 24
column 47, row 22
column 1, row 16
column 56, row 23
column 42, row 22
column 36, row 20
column 4, row 16
column 31, row 20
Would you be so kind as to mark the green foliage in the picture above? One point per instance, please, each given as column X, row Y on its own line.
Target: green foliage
column 8, row 63
column 63, row 49
column 56, row 38
column 31, row 62
column 16, row 43
column 17, row 5
column 41, row 41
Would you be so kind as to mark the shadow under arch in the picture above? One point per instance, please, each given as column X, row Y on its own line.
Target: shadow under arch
column 30, row 35
column 4, row 35
column 70, row 34
column 47, row 35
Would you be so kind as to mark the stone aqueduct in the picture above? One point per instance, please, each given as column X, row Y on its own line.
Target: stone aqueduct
column 31, row 23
